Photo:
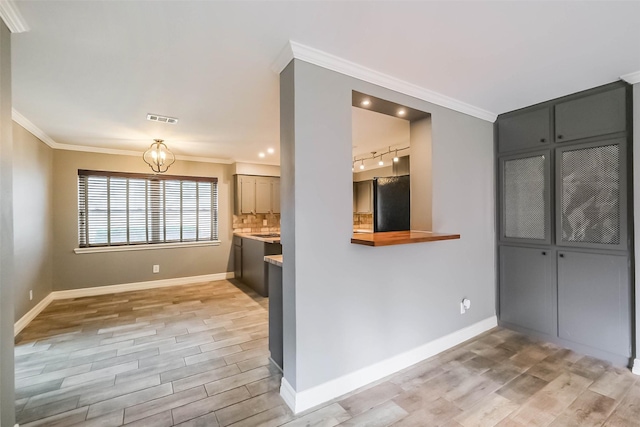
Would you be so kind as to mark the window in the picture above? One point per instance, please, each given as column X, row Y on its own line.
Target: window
column 118, row 209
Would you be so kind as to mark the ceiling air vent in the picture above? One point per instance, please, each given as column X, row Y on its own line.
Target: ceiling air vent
column 162, row 119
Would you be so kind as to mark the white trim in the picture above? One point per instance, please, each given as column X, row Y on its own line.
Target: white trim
column 31, row 314
column 145, row 247
column 341, row 65
column 636, row 367
column 631, row 78
column 114, row 289
column 12, row 17
column 35, row 130
column 138, row 286
column 42, row 136
column 303, row 400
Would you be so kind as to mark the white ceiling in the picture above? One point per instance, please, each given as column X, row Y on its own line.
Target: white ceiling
column 88, row 72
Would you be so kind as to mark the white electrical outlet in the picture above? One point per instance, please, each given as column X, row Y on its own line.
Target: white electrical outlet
column 465, row 305
column 30, row 295
column 264, row 222
column 156, row 268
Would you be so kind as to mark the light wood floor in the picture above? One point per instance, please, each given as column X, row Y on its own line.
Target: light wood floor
column 197, row 356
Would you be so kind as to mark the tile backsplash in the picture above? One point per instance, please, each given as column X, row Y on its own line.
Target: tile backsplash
column 363, row 221
column 255, row 223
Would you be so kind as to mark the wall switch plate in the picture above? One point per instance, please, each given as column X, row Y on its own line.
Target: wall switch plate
column 30, row 295
column 264, row 222
column 156, row 268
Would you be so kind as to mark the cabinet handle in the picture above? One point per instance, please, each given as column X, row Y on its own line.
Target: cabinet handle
column 561, row 255
column 560, row 137
column 543, row 139
column 544, row 253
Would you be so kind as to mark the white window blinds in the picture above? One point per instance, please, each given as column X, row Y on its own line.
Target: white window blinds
column 116, row 209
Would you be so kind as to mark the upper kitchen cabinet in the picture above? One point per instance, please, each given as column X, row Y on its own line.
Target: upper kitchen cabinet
column 256, row 194
column 529, row 129
column 595, row 115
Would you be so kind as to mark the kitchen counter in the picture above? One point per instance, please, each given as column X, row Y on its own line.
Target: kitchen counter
column 274, row 259
column 389, row 238
column 261, row 239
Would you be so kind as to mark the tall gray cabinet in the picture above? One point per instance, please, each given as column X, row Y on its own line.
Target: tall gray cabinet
column 564, row 231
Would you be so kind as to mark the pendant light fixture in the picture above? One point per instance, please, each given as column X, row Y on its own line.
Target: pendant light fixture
column 159, row 157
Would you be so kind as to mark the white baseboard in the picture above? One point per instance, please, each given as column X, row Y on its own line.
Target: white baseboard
column 114, row 289
column 303, row 400
column 31, row 314
column 636, row 367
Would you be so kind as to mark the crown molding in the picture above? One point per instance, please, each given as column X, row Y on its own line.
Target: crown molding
column 326, row 60
column 35, row 130
column 631, row 78
column 12, row 17
column 42, row 136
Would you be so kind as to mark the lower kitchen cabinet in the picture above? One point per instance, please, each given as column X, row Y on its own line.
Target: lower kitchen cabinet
column 237, row 257
column 253, row 268
column 528, row 288
column 594, row 301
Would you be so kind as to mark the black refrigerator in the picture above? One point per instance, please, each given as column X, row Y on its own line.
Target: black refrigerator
column 392, row 203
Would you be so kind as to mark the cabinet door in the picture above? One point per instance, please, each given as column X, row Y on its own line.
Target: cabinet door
column 524, row 198
column 594, row 301
column 600, row 114
column 525, row 130
column 237, row 261
column 591, row 195
column 263, row 194
column 247, row 194
column 364, row 197
column 275, row 195
column 527, row 288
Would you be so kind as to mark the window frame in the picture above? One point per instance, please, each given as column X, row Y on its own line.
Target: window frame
column 161, row 229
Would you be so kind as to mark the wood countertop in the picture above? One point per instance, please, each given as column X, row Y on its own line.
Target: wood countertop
column 274, row 259
column 389, row 238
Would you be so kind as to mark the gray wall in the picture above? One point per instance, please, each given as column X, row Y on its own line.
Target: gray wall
column 7, row 392
column 73, row 271
column 33, row 219
column 372, row 173
column 356, row 305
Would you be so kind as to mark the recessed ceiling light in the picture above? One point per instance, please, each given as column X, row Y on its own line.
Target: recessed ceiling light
column 401, row 112
column 261, row 154
column 365, row 103
column 270, row 150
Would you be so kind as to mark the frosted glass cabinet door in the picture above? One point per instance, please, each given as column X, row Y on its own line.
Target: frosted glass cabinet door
column 591, row 195
column 524, row 198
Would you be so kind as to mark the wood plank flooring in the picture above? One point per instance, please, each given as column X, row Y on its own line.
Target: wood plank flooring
column 197, row 356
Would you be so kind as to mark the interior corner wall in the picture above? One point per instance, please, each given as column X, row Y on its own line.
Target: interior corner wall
column 33, row 219
column 75, row 271
column 636, row 218
column 356, row 306
column 7, row 368
column 288, row 221
column 420, row 172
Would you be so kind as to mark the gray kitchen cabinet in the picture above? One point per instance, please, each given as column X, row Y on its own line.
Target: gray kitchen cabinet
column 275, row 195
column 528, row 288
column 594, row 301
column 527, row 129
column 594, row 115
column 274, row 278
column 525, row 201
column 237, row 257
column 256, row 194
column 263, row 194
column 565, row 264
column 254, row 269
column 364, row 197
